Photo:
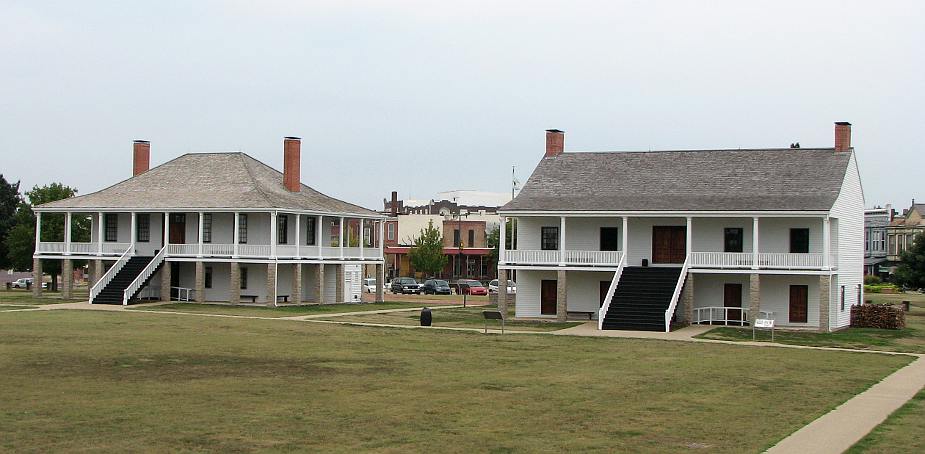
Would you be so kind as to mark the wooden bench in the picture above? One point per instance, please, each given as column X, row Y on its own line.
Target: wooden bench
column 253, row 298
column 589, row 313
column 285, row 298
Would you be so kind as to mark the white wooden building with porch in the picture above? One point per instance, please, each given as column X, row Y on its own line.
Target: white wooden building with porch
column 216, row 227
column 645, row 240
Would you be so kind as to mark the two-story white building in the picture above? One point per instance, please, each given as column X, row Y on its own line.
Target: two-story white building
column 216, row 227
column 642, row 240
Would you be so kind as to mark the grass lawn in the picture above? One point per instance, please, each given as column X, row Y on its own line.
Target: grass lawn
column 910, row 340
column 281, row 311
column 124, row 381
column 901, row 432
column 22, row 296
column 470, row 317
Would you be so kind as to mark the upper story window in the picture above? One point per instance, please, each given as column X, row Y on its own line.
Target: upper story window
column 799, row 241
column 367, row 236
column 471, row 238
column 310, row 232
column 391, row 231
column 549, row 238
column 456, row 237
column 242, row 229
column 282, row 224
column 143, row 228
column 732, row 239
column 112, row 226
column 207, row 228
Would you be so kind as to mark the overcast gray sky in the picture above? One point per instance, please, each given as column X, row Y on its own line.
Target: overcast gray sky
column 422, row 96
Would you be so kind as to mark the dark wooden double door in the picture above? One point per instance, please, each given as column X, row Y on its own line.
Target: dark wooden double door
column 669, row 244
column 548, row 292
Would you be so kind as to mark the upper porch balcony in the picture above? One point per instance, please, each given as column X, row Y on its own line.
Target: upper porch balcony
column 717, row 243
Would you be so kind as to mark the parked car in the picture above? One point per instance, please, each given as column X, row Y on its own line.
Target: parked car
column 436, row 287
column 24, row 282
column 405, row 285
column 511, row 287
column 470, row 287
column 369, row 285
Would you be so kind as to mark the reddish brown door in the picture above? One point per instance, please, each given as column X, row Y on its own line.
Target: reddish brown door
column 548, row 297
column 798, row 303
column 669, row 244
column 732, row 297
column 177, row 228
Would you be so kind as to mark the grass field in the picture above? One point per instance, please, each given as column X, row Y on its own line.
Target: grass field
column 264, row 311
column 431, row 299
column 909, row 340
column 128, row 381
column 22, row 296
column 457, row 317
column 901, row 432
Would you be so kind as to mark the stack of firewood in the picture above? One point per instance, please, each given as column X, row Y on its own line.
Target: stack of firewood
column 878, row 316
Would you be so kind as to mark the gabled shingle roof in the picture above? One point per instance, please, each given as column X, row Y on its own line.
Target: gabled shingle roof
column 704, row 180
column 210, row 180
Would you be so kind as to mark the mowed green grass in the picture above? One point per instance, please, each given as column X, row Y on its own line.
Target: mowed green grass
column 128, row 381
column 266, row 311
column 911, row 339
column 23, row 296
column 458, row 317
column 901, row 432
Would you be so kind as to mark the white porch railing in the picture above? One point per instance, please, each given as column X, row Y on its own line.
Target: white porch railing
column 610, row 291
column 531, row 257
column 286, row 250
column 183, row 249
column 352, row 252
column 84, row 248
column 115, row 248
column 53, row 247
column 143, row 276
column 183, row 293
column 593, row 257
column 210, row 249
column 111, row 273
column 786, row 260
column 677, row 294
column 371, row 253
column 720, row 314
column 254, row 250
column 309, row 251
column 721, row 259
column 330, row 252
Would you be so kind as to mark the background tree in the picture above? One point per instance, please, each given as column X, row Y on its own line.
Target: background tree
column 494, row 238
column 20, row 242
column 910, row 273
column 426, row 254
column 9, row 202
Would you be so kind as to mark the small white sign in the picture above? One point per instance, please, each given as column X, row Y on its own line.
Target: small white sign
column 764, row 323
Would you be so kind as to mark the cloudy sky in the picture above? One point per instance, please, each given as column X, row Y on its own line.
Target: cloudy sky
column 423, row 96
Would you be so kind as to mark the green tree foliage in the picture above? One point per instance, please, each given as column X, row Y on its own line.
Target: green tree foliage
column 494, row 239
column 20, row 241
column 426, row 254
column 911, row 270
column 9, row 202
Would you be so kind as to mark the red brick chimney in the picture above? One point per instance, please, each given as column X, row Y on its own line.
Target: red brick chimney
column 555, row 143
column 292, row 163
column 141, row 157
column 394, row 205
column 842, row 136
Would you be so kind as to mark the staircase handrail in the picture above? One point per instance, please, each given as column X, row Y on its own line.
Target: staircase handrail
column 610, row 291
column 106, row 278
column 143, row 276
column 677, row 293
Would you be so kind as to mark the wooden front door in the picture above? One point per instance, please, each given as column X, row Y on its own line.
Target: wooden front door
column 177, row 228
column 732, row 297
column 799, row 306
column 669, row 244
column 548, row 297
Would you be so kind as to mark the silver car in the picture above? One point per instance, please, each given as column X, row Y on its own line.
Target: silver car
column 511, row 287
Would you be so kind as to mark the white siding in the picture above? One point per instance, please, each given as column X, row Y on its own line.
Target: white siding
column 584, row 289
column 330, row 280
column 528, row 231
column 775, row 296
column 708, row 233
column 774, row 233
column 528, row 291
column 849, row 210
column 284, row 275
column 709, row 288
column 221, row 279
column 640, row 237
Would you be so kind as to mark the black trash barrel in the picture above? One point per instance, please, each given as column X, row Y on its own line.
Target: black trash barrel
column 426, row 317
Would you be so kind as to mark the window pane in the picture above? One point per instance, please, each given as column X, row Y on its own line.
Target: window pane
column 206, row 227
column 799, row 241
column 549, row 238
column 242, row 228
column 143, row 228
column 112, row 226
column 310, row 232
column 732, row 239
column 281, row 225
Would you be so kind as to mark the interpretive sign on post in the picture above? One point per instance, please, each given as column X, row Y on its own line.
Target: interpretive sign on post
column 763, row 323
column 493, row 315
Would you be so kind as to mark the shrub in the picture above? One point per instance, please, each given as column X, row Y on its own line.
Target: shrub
column 872, row 279
column 878, row 316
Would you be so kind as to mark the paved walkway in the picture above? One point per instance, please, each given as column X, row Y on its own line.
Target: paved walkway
column 833, row 432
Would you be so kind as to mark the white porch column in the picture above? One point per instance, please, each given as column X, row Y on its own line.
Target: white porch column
column 362, row 239
column 273, row 238
column 298, row 245
column 99, row 233
column 501, row 241
column 319, row 227
column 340, row 238
column 67, row 233
column 236, row 233
column 626, row 237
column 382, row 241
column 38, row 230
column 561, row 240
column 755, row 243
column 134, row 233
column 690, row 237
column 199, row 254
column 826, row 240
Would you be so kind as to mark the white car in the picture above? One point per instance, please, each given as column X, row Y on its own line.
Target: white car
column 369, row 285
column 23, row 281
column 511, row 287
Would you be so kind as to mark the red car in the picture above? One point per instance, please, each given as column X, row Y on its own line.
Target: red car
column 471, row 287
